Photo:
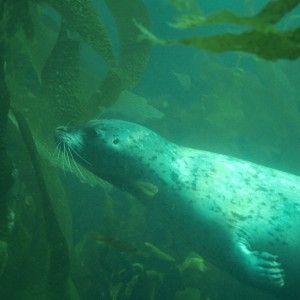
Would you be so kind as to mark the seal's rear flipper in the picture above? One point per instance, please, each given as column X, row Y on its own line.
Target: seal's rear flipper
column 258, row 267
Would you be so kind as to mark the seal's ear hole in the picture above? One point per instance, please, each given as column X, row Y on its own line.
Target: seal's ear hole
column 116, row 141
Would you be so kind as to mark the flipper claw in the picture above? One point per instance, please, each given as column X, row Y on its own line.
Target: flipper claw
column 259, row 267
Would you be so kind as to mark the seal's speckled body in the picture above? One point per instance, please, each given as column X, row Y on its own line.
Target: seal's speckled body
column 242, row 216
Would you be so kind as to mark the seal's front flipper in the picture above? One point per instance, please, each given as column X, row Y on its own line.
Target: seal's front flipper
column 260, row 268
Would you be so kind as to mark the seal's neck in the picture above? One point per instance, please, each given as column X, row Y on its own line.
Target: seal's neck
column 144, row 173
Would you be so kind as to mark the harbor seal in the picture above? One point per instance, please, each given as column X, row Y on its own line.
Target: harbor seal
column 243, row 217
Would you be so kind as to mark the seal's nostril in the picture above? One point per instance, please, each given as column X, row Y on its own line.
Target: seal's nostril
column 60, row 133
column 61, row 129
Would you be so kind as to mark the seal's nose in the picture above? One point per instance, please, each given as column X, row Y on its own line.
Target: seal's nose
column 61, row 129
column 60, row 133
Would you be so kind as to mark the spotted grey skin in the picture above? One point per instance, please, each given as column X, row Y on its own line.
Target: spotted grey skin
column 242, row 216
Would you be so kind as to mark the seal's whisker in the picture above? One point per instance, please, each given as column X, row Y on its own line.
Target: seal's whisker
column 83, row 159
column 52, row 157
column 64, row 158
column 59, row 156
column 68, row 124
column 75, row 163
column 58, row 151
column 68, row 158
column 64, row 155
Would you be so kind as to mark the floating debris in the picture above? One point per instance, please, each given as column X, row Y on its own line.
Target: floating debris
column 159, row 253
column 119, row 245
column 184, row 80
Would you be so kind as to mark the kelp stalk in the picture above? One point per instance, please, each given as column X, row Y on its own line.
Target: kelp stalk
column 6, row 179
column 59, row 254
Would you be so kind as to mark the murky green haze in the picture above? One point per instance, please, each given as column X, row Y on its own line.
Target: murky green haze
column 65, row 234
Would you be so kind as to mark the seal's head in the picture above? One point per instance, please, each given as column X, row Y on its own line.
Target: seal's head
column 111, row 149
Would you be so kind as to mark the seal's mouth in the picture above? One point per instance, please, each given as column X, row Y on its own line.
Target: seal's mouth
column 60, row 135
column 68, row 149
column 69, row 146
column 67, row 139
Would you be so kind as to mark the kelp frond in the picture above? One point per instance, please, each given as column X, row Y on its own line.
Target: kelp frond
column 81, row 17
column 262, row 38
column 272, row 13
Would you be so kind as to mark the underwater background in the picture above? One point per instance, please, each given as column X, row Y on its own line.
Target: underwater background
column 222, row 81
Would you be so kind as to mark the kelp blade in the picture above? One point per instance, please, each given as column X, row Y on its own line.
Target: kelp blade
column 262, row 39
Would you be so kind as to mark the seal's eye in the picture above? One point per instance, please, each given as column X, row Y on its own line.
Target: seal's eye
column 116, row 141
column 91, row 133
